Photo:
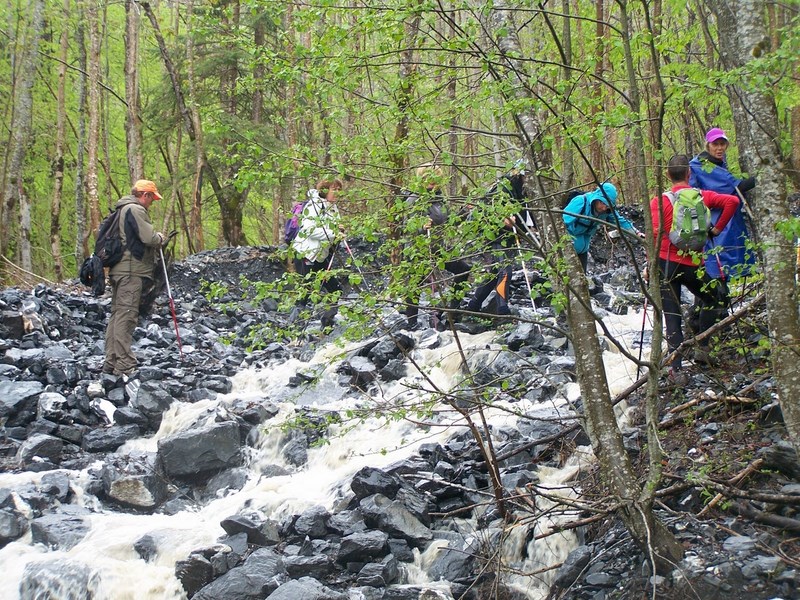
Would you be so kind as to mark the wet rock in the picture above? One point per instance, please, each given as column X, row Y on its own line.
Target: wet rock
column 134, row 481
column 261, row 532
column 370, row 480
column 151, row 399
column 453, row 562
column 313, row 522
column 19, row 397
column 379, row 574
column 362, row 546
column 13, row 525
column 58, row 578
column 255, row 579
column 227, row 481
column 40, row 447
column 194, row 573
column 59, row 530
column 390, row 348
column 109, row 439
column 395, row 369
column 317, row 566
column 347, row 522
column 395, row 519
column 572, row 568
column 780, row 457
column 739, row 544
column 305, row 588
column 146, row 547
column 198, row 451
column 296, row 451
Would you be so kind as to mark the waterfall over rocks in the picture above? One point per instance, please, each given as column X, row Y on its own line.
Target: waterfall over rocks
column 313, row 469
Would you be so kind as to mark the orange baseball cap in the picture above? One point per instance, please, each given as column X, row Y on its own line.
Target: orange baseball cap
column 145, row 185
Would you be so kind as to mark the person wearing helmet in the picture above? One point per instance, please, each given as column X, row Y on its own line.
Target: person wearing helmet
column 585, row 213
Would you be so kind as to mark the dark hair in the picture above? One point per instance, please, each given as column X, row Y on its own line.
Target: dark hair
column 326, row 185
column 678, row 168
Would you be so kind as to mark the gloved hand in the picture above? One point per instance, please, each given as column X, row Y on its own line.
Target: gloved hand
column 747, row 184
column 713, row 232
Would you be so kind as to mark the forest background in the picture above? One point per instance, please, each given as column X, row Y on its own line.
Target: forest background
column 236, row 107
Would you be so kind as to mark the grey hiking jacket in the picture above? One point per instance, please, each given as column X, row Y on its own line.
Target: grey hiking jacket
column 139, row 238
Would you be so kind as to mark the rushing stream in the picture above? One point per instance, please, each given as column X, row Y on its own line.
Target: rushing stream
column 375, row 440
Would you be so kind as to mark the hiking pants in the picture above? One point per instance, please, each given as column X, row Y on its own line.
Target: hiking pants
column 126, row 293
column 673, row 276
column 500, row 284
column 460, row 271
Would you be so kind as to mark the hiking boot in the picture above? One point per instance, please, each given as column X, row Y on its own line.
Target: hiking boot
column 108, row 369
column 678, row 378
column 703, row 356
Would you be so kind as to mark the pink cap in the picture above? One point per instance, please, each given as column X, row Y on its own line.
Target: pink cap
column 714, row 134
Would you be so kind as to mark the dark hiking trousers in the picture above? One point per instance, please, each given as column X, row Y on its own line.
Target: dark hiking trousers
column 673, row 276
column 330, row 284
column 460, row 271
column 126, row 295
column 500, row 284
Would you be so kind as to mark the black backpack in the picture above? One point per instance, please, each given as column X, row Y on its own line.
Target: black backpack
column 108, row 245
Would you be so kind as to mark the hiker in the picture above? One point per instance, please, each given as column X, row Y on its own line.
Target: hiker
column 432, row 203
column 584, row 214
column 680, row 268
column 500, row 258
column 731, row 257
column 315, row 243
column 128, row 277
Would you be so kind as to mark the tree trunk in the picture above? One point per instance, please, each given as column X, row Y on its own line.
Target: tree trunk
column 14, row 194
column 81, row 237
column 133, row 123
column 760, row 145
column 93, row 108
column 196, row 209
column 397, row 155
column 600, row 422
column 58, row 162
column 230, row 207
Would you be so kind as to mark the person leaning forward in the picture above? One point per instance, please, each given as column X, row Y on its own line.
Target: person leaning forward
column 140, row 241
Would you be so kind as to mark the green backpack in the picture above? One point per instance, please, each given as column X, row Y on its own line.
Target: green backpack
column 691, row 219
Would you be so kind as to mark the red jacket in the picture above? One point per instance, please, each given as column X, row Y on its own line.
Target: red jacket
column 725, row 202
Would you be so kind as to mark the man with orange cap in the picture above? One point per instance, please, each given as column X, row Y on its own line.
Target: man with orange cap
column 140, row 241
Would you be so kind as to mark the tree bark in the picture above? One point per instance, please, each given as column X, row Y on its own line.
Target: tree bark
column 93, row 108
column 398, row 157
column 133, row 122
column 14, row 194
column 760, row 146
column 81, row 236
column 229, row 203
column 196, row 232
column 58, row 161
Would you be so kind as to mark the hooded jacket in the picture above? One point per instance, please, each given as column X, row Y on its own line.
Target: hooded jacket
column 708, row 173
column 581, row 221
column 139, row 238
column 319, row 225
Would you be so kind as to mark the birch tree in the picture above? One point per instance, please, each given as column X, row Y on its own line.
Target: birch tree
column 15, row 196
column 743, row 39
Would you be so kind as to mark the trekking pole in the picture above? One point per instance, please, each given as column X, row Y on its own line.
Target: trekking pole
column 171, row 301
column 641, row 338
column 524, row 268
column 353, row 258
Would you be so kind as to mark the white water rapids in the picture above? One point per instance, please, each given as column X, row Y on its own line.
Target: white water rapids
column 108, row 549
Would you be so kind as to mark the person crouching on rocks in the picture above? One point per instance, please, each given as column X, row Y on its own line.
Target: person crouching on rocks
column 316, row 241
column 585, row 213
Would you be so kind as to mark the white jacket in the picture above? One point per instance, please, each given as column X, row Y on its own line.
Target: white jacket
column 319, row 225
